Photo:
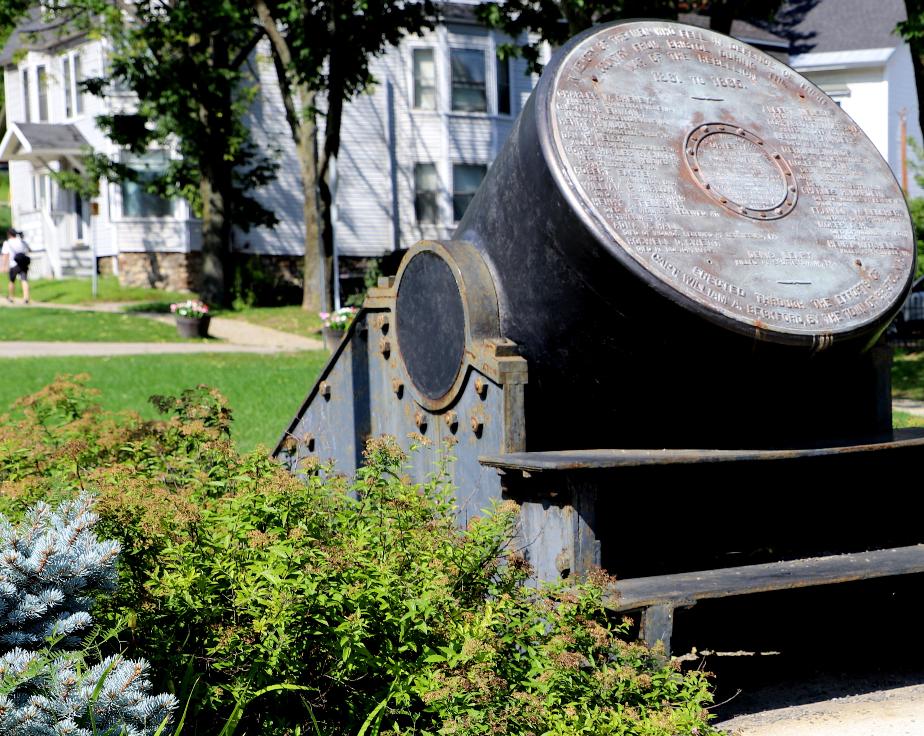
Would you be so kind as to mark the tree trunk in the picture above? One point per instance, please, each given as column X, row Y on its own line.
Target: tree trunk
column 213, row 244
column 316, row 293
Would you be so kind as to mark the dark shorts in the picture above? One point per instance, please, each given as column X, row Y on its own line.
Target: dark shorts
column 23, row 273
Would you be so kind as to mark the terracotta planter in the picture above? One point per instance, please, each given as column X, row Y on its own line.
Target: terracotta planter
column 193, row 326
column 332, row 338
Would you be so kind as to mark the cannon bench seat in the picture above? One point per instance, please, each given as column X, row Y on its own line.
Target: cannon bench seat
column 658, row 596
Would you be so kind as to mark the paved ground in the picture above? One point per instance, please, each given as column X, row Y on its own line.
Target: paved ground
column 897, row 711
column 230, row 336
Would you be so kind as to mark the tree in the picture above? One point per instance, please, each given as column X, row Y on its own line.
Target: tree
column 912, row 30
column 185, row 62
column 322, row 51
column 533, row 23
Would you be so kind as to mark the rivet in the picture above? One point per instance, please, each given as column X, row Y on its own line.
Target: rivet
column 740, row 131
column 743, row 210
column 776, row 156
column 477, row 426
column 481, row 387
column 792, row 189
column 324, row 390
column 707, row 185
column 385, row 347
column 690, row 152
column 452, row 421
column 420, row 419
column 397, row 386
column 308, row 440
column 779, row 210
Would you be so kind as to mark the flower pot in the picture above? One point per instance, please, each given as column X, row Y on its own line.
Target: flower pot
column 193, row 326
column 332, row 338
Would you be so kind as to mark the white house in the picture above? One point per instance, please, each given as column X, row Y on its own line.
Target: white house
column 414, row 148
column 850, row 49
column 49, row 125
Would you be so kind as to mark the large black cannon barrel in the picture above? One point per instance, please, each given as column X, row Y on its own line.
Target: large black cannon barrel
column 690, row 244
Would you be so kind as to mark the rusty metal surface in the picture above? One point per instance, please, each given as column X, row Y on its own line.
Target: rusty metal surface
column 576, row 460
column 366, row 390
column 687, row 588
column 729, row 181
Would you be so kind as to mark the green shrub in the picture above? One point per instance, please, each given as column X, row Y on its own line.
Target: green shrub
column 332, row 606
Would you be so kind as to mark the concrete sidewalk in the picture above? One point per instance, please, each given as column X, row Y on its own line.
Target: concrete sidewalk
column 231, row 336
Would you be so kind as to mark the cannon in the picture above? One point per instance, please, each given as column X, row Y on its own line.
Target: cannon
column 663, row 307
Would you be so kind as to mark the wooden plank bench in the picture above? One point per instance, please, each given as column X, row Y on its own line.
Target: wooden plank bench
column 581, row 509
column 657, row 597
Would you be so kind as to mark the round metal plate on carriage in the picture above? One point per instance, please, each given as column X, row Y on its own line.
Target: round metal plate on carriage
column 728, row 181
column 430, row 324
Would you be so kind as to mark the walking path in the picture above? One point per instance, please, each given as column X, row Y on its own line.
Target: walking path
column 231, row 336
column 895, row 711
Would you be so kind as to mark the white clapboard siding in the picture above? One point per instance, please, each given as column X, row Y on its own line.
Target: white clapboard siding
column 270, row 130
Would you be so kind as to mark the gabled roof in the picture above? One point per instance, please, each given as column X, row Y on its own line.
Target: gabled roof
column 36, row 33
column 746, row 31
column 41, row 141
column 819, row 26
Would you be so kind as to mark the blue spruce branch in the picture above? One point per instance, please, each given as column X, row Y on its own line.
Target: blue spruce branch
column 51, row 565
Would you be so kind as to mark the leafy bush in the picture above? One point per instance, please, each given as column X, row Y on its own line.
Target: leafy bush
column 332, row 606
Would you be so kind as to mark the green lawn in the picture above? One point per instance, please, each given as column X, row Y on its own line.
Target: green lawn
column 908, row 376
column 79, row 291
column 55, row 325
column 264, row 391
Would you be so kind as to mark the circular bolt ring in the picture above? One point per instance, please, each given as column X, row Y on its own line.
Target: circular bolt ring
column 698, row 136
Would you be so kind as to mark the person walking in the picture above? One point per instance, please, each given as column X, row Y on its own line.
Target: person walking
column 16, row 260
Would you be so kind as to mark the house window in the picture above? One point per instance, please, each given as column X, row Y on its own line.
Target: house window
column 503, row 86
column 466, row 179
column 42, row 84
column 424, row 79
column 68, row 97
column 136, row 201
column 426, row 193
column 78, row 78
column 468, row 80
column 25, row 96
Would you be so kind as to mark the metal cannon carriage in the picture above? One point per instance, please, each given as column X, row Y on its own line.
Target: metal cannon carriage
column 663, row 308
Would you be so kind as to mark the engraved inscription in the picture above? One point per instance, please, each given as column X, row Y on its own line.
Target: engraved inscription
column 729, row 178
column 741, row 171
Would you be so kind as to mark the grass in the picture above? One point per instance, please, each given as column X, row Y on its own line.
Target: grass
column 57, row 325
column 291, row 319
column 78, row 291
column 908, row 376
column 902, row 420
column 264, row 391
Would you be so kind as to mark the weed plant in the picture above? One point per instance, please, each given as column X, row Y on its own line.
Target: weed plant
column 273, row 605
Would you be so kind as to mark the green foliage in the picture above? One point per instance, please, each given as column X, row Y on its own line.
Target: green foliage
column 6, row 218
column 331, row 606
column 916, row 208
